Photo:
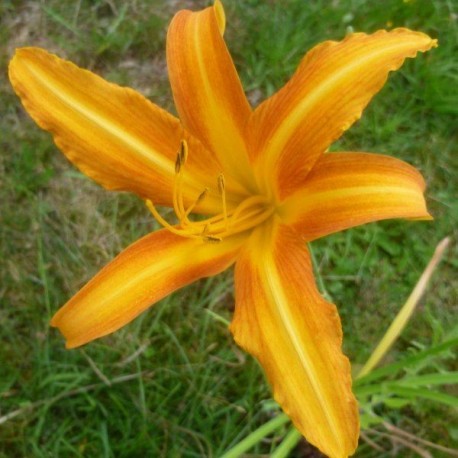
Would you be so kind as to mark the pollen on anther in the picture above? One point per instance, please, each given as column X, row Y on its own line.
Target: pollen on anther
column 222, row 191
column 212, row 239
column 221, row 183
column 182, row 156
column 202, row 195
column 178, row 164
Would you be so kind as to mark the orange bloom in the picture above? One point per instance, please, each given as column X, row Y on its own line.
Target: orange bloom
column 260, row 179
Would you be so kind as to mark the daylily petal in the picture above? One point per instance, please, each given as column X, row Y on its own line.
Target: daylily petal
column 296, row 335
column 111, row 133
column 349, row 189
column 327, row 94
column 207, row 90
column 144, row 273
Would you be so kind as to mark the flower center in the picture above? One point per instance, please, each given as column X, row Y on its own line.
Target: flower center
column 251, row 212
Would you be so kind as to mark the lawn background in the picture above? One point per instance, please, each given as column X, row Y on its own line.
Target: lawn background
column 173, row 383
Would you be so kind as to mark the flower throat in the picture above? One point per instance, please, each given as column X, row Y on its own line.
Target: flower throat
column 251, row 212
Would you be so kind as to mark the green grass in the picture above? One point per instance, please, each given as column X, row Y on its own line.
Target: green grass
column 173, row 383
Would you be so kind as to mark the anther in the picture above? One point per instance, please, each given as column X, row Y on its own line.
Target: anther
column 183, row 151
column 200, row 198
column 221, row 184
column 212, row 239
column 182, row 156
column 222, row 191
column 178, row 164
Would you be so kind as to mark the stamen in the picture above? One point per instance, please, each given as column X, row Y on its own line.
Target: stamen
column 212, row 239
column 199, row 199
column 254, row 219
column 222, row 191
column 167, row 225
column 221, row 183
column 247, row 203
column 249, row 213
column 178, row 164
column 182, row 157
column 184, row 151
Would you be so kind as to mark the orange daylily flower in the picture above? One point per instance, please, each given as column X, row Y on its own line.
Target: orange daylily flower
column 260, row 179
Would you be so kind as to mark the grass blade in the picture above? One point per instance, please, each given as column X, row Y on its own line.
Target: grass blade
column 406, row 311
column 393, row 368
column 424, row 393
column 256, row 436
column 289, row 442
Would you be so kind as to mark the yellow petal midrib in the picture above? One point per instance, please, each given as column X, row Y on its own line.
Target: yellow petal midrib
column 236, row 164
column 163, row 266
column 276, row 288
column 114, row 129
column 280, row 138
column 307, row 199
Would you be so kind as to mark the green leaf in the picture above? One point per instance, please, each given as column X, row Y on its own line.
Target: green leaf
column 289, row 442
column 423, row 393
column 256, row 436
column 408, row 382
column 394, row 368
column 396, row 403
column 430, row 379
column 368, row 420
